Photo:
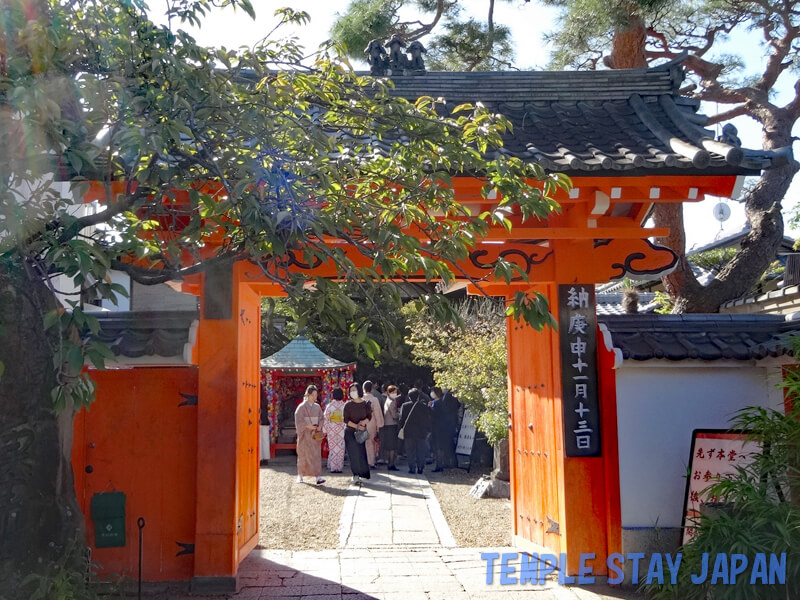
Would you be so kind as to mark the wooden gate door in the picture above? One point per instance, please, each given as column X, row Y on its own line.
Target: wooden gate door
column 534, row 441
column 249, row 336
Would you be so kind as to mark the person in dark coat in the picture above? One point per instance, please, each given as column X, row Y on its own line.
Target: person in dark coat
column 425, row 397
column 445, row 423
column 423, row 391
column 415, row 422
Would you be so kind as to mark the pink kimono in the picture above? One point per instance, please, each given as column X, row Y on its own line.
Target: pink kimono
column 309, row 450
column 334, row 427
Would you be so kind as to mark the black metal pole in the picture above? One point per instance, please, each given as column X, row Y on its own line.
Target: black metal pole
column 141, row 524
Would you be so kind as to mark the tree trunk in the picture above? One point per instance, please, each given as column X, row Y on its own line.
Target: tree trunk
column 737, row 278
column 41, row 526
column 628, row 45
column 763, row 209
column 762, row 205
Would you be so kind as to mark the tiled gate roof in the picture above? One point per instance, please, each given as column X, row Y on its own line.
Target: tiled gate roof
column 595, row 122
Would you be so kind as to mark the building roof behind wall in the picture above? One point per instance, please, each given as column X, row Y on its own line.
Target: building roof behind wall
column 785, row 300
column 734, row 240
column 138, row 334
column 610, row 303
column 701, row 336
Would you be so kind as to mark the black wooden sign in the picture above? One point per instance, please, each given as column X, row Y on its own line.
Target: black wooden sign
column 577, row 322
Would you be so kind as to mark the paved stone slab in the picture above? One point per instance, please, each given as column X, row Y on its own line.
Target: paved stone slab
column 393, row 509
column 394, row 544
column 404, row 596
column 396, row 573
column 414, row 537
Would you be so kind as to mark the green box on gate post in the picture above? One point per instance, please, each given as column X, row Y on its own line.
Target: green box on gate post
column 108, row 515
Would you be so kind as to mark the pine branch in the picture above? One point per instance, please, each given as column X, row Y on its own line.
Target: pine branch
column 424, row 28
column 727, row 115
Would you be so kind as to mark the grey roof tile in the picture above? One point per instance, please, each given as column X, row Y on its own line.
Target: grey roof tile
column 700, row 336
column 610, row 303
column 734, row 239
column 136, row 334
column 595, row 121
column 783, row 292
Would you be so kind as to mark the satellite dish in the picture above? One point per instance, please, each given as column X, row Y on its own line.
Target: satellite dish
column 722, row 212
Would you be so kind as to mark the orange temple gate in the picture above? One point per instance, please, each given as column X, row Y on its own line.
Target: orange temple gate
column 565, row 504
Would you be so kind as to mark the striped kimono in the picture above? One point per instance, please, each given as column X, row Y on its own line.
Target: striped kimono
column 334, row 427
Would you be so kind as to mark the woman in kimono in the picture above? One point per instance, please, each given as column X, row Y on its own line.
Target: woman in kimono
column 388, row 432
column 307, row 422
column 356, row 414
column 334, row 429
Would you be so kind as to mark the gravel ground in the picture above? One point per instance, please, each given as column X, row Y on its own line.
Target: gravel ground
column 297, row 516
column 474, row 523
column 306, row 516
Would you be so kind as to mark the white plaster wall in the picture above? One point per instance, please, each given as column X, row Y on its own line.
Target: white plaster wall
column 658, row 406
column 160, row 297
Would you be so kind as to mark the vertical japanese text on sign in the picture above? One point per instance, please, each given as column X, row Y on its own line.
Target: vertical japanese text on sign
column 577, row 322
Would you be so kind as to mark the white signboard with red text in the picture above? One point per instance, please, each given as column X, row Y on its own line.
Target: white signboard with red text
column 716, row 454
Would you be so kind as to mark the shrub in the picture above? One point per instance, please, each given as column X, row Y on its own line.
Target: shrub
column 470, row 360
column 763, row 514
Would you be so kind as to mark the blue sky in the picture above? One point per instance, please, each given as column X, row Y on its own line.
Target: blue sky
column 528, row 22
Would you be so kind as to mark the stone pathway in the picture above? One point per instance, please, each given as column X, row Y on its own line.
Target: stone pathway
column 393, row 509
column 392, row 574
column 394, row 544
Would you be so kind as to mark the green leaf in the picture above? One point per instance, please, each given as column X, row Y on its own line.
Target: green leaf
column 248, row 8
column 465, row 107
column 96, row 359
column 74, row 357
column 92, row 323
column 371, row 348
column 51, row 319
column 58, row 397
